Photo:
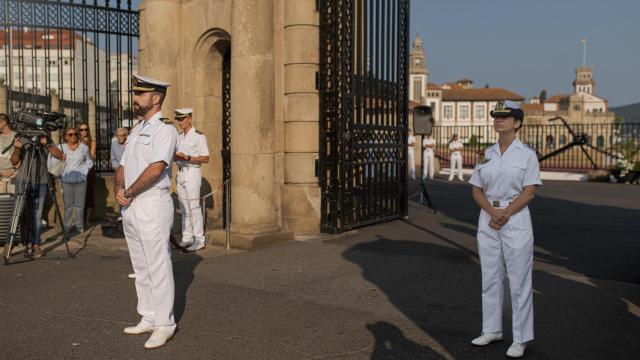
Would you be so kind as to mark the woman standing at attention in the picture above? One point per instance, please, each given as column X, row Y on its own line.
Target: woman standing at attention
column 504, row 183
column 87, row 139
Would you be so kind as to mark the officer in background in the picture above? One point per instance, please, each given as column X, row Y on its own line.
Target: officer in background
column 192, row 151
column 142, row 187
column 428, row 158
column 411, row 157
column 504, row 183
column 455, row 148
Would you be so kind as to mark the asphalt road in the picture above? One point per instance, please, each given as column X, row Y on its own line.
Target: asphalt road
column 401, row 290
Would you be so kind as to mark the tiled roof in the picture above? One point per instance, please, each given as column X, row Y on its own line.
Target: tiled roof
column 558, row 98
column 487, row 94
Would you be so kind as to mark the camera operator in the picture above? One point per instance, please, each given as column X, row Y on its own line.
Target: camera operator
column 7, row 171
column 36, row 185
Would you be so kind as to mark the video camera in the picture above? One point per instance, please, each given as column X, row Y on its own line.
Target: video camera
column 37, row 120
column 31, row 124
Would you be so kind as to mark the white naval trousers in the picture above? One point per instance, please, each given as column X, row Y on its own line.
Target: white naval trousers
column 428, row 165
column 147, row 225
column 188, row 187
column 412, row 162
column 456, row 165
column 510, row 249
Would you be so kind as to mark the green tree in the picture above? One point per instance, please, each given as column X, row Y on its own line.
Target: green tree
column 543, row 96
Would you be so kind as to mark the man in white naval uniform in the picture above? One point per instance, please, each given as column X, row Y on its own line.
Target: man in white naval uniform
column 411, row 158
column 192, row 151
column 142, row 187
column 455, row 148
column 428, row 158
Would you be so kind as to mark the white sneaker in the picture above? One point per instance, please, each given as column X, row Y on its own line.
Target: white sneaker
column 487, row 338
column 141, row 328
column 516, row 350
column 197, row 245
column 159, row 337
column 132, row 276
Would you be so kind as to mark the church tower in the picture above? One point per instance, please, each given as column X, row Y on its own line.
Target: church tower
column 418, row 72
column 584, row 82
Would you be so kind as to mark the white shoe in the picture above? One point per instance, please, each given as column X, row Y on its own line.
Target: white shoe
column 516, row 350
column 132, row 276
column 159, row 337
column 141, row 328
column 197, row 245
column 487, row 338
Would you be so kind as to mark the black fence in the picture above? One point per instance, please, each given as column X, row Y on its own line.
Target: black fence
column 577, row 147
column 363, row 112
column 71, row 56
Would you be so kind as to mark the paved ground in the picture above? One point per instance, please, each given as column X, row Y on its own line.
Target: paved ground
column 401, row 290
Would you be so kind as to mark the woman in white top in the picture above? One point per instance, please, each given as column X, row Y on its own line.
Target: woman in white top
column 78, row 162
column 504, row 183
column 411, row 141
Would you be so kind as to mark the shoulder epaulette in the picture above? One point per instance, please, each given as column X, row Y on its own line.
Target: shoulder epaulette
column 166, row 120
column 199, row 132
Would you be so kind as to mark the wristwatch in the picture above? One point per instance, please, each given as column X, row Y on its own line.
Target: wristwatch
column 188, row 157
column 126, row 193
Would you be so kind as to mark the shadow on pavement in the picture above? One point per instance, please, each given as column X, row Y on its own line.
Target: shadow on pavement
column 438, row 289
column 184, row 266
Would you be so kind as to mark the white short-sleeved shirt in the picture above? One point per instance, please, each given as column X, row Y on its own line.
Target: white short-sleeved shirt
column 456, row 144
column 150, row 141
column 411, row 141
column 428, row 141
column 193, row 143
column 503, row 176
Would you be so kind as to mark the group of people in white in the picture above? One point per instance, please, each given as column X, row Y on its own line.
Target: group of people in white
column 428, row 156
column 504, row 182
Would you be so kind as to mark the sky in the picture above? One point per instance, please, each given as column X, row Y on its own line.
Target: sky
column 528, row 46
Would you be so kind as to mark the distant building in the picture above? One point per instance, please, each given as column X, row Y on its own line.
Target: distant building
column 457, row 103
column 580, row 107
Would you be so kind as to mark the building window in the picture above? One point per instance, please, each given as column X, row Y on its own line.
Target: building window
column 417, row 90
column 464, row 112
column 479, row 112
column 600, row 142
column 448, row 111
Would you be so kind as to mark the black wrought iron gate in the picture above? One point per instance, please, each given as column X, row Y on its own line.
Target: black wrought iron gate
column 226, row 130
column 364, row 47
column 80, row 51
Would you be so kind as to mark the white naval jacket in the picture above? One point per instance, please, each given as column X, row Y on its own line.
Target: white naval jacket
column 503, row 176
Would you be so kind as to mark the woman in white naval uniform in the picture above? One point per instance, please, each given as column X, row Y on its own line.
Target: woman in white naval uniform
column 503, row 185
column 428, row 158
column 192, row 151
column 411, row 156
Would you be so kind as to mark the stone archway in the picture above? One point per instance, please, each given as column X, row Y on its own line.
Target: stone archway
column 210, row 51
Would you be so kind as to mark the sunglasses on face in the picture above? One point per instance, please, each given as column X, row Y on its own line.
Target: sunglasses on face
column 84, row 129
column 180, row 119
column 72, row 134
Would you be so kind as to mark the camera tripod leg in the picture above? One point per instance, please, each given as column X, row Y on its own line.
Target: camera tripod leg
column 54, row 200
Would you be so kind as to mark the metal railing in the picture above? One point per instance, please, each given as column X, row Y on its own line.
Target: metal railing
column 600, row 144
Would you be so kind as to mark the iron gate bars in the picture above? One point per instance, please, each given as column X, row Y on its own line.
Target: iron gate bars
column 71, row 56
column 363, row 78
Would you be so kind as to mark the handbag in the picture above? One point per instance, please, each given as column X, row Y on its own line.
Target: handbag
column 56, row 166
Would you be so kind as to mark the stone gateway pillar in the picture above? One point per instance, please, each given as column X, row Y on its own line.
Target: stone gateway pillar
column 254, row 212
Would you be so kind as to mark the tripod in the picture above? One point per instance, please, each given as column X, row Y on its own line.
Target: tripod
column 421, row 188
column 33, row 152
